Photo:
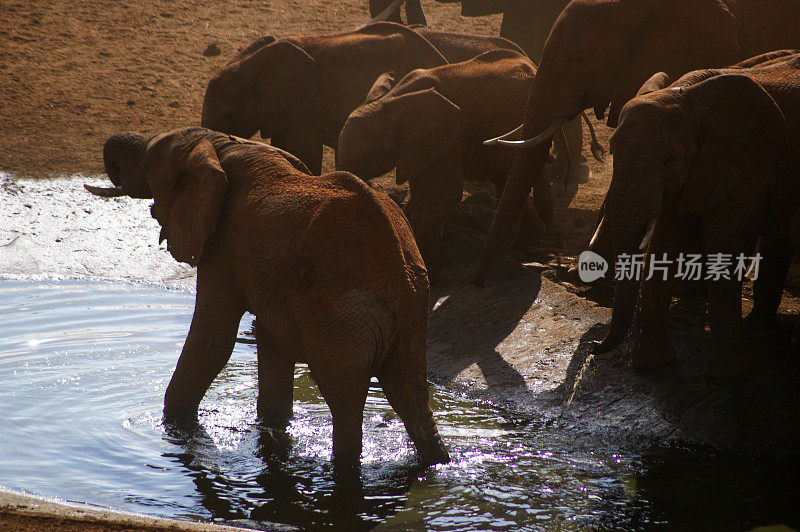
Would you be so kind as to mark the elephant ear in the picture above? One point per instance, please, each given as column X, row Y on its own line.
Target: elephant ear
column 287, row 79
column 742, row 140
column 429, row 125
column 382, row 85
column 190, row 205
column 256, row 45
column 655, row 83
column 676, row 37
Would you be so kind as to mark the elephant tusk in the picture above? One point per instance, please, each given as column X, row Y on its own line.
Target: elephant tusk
column 648, row 234
column 105, row 192
column 385, row 14
column 546, row 135
column 492, row 142
column 596, row 234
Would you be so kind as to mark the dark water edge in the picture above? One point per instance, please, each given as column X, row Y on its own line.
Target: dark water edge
column 84, row 368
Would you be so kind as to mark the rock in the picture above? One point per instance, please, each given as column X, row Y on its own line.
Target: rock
column 212, row 50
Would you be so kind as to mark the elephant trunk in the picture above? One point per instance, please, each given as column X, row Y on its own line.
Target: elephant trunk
column 626, row 226
column 525, row 174
column 123, row 157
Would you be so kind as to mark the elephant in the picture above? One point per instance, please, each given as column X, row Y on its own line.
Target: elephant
column 707, row 164
column 414, row 13
column 431, row 126
column 299, row 91
column 527, row 23
column 328, row 266
column 599, row 53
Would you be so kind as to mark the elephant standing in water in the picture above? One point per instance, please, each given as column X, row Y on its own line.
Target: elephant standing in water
column 599, row 53
column 706, row 165
column 328, row 266
column 431, row 126
column 299, row 91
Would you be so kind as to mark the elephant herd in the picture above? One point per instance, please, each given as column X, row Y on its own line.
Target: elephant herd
column 336, row 273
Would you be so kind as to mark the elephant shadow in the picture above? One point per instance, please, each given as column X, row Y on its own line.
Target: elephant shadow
column 266, row 487
column 467, row 324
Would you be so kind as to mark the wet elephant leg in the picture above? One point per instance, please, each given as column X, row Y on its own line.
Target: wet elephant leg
column 776, row 256
column 208, row 346
column 729, row 236
column 275, row 381
column 406, row 389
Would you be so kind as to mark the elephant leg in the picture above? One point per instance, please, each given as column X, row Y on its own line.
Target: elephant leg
column 531, row 227
column 208, row 346
column 729, row 237
column 406, row 388
column 376, row 7
column 303, row 139
column 343, row 380
column 776, row 256
column 653, row 348
column 275, row 381
column 435, row 192
column 414, row 13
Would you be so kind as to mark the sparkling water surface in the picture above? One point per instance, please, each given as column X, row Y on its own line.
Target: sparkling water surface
column 85, row 364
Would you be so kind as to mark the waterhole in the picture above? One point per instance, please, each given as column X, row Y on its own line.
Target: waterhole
column 84, row 367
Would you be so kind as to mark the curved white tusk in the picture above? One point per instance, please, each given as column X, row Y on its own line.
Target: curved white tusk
column 648, row 234
column 596, row 234
column 105, row 192
column 546, row 135
column 491, row 142
column 385, row 14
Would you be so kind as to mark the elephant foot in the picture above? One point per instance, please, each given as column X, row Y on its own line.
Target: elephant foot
column 727, row 368
column 433, row 453
column 648, row 355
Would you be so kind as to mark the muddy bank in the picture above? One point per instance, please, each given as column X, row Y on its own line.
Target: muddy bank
column 23, row 513
column 522, row 342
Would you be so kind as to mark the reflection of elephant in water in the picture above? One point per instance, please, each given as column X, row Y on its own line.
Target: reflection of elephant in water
column 299, row 91
column 329, row 268
column 431, row 126
column 599, row 52
column 710, row 162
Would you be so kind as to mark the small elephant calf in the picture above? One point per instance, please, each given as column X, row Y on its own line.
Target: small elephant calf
column 431, row 126
column 329, row 268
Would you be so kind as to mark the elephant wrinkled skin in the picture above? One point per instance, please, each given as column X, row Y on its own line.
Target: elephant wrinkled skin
column 329, row 268
column 299, row 91
column 710, row 163
column 431, row 126
column 599, row 53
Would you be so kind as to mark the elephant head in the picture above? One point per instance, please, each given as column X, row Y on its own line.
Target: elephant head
column 123, row 157
column 598, row 53
column 409, row 127
column 182, row 173
column 263, row 90
column 690, row 147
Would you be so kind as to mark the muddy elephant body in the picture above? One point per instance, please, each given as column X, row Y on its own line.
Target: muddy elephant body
column 329, row 268
column 299, row 91
column 705, row 166
column 430, row 126
column 600, row 52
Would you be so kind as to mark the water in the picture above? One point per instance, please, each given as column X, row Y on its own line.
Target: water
column 85, row 366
